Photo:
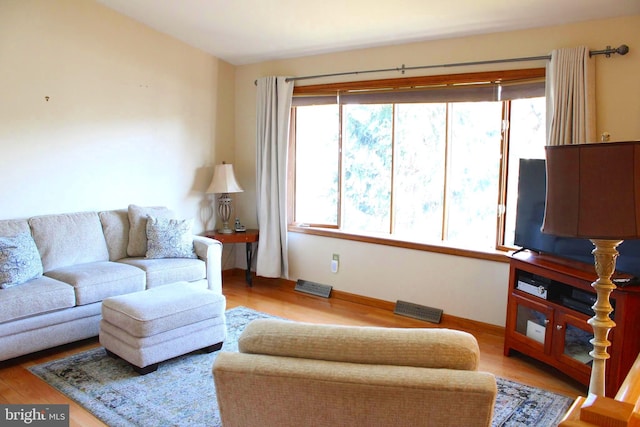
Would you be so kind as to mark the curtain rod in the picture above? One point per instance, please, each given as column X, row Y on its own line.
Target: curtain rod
column 621, row 50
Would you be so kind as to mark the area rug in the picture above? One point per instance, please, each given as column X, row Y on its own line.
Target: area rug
column 181, row 392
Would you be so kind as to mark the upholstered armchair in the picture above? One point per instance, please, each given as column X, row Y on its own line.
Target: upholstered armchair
column 294, row 374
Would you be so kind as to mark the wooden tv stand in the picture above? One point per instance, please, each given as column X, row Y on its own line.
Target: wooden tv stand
column 547, row 312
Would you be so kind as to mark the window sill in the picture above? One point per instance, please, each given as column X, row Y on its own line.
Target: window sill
column 498, row 256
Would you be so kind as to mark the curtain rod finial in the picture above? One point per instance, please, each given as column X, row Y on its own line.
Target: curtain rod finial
column 623, row 49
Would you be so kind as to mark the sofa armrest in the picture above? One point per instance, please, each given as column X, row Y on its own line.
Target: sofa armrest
column 210, row 251
column 418, row 347
column 283, row 391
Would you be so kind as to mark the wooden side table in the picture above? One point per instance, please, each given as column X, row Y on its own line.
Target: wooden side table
column 249, row 237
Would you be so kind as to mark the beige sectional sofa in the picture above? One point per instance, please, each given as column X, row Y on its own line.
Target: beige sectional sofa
column 293, row 374
column 72, row 261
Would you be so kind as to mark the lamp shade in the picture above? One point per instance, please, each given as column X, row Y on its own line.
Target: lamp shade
column 593, row 191
column 224, row 180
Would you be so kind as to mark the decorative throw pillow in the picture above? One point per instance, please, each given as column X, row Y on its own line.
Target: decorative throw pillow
column 19, row 260
column 169, row 238
column 137, row 246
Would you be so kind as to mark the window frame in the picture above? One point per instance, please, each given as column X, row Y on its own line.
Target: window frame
column 333, row 89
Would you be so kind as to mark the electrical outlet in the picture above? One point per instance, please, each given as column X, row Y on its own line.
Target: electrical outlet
column 335, row 261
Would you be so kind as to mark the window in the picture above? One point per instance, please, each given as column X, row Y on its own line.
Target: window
column 317, row 164
column 421, row 162
column 526, row 141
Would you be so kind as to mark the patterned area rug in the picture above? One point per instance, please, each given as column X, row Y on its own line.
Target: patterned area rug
column 181, row 391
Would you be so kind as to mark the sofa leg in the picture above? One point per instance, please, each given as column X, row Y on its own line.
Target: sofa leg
column 146, row 370
column 212, row 348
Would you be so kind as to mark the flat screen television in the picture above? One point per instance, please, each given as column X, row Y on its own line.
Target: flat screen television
column 530, row 213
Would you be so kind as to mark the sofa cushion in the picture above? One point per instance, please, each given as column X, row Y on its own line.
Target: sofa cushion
column 168, row 270
column 37, row 296
column 115, row 225
column 68, row 239
column 426, row 347
column 138, row 215
column 93, row 282
column 19, row 260
column 33, row 325
column 169, row 238
column 12, row 227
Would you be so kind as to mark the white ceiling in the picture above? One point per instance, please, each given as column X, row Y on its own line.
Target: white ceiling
column 250, row 31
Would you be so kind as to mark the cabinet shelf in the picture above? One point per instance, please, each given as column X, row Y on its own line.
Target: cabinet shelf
column 549, row 303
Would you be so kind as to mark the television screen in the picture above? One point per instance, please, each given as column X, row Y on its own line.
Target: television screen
column 530, row 213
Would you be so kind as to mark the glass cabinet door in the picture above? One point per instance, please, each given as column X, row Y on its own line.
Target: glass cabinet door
column 574, row 336
column 531, row 322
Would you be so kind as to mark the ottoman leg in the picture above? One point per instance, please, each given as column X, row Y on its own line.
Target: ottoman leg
column 111, row 354
column 146, row 370
column 212, row 348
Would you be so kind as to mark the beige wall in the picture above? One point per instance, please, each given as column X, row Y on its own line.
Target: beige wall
column 463, row 287
column 133, row 116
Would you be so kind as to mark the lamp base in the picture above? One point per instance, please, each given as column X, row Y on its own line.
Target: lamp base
column 605, row 255
column 224, row 212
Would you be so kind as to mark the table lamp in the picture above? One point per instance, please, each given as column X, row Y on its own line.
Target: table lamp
column 224, row 182
column 593, row 192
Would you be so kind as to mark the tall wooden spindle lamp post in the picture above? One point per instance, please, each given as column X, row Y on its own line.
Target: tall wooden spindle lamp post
column 593, row 192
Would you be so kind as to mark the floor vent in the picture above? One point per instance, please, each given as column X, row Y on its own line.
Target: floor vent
column 313, row 288
column 421, row 312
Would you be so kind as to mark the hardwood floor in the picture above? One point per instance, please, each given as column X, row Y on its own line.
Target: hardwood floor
column 18, row 385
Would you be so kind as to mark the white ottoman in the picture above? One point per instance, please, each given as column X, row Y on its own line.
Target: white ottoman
column 148, row 327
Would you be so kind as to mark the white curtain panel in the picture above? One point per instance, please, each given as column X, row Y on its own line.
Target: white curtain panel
column 570, row 91
column 273, row 111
